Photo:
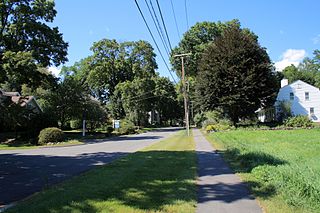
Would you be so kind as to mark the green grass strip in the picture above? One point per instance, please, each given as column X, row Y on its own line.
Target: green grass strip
column 160, row 178
column 281, row 167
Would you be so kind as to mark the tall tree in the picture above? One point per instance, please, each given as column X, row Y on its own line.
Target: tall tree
column 166, row 102
column 67, row 101
column 235, row 74
column 27, row 41
column 308, row 70
column 113, row 63
column 195, row 41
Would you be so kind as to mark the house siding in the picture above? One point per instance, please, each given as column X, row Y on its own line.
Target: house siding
column 299, row 105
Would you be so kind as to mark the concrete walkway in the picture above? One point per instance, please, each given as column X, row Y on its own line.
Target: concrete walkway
column 219, row 189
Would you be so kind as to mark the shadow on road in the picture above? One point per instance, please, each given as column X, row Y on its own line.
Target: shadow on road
column 146, row 180
column 22, row 175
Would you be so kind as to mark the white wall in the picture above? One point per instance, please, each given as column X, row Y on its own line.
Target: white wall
column 300, row 106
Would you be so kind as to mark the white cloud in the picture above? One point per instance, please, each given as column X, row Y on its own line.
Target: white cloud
column 316, row 40
column 54, row 70
column 290, row 56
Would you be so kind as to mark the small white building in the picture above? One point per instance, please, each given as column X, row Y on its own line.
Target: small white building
column 303, row 98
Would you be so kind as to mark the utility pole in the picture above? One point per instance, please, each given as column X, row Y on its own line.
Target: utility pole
column 185, row 97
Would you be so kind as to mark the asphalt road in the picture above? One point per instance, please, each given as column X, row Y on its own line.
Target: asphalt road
column 24, row 172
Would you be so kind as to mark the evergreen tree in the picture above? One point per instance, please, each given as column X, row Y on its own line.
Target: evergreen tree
column 235, row 74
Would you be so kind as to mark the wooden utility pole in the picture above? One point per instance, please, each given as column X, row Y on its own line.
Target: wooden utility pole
column 185, row 95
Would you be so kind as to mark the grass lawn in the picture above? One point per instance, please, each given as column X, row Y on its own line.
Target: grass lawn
column 160, row 178
column 282, row 167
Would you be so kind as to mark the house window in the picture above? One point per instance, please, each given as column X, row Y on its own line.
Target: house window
column 291, row 96
column 306, row 95
column 311, row 110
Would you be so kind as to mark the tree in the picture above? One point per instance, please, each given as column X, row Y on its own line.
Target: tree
column 95, row 113
column 235, row 74
column 137, row 99
column 308, row 70
column 166, row 102
column 27, row 42
column 67, row 101
column 113, row 63
column 195, row 41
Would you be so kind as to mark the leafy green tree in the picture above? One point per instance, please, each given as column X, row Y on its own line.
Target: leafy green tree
column 166, row 102
column 111, row 64
column 235, row 74
column 308, row 70
column 95, row 114
column 27, row 42
column 66, row 101
column 195, row 41
column 137, row 99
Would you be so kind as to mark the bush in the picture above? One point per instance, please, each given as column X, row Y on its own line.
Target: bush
column 76, row 124
column 298, row 121
column 127, row 127
column 51, row 134
column 223, row 125
column 198, row 119
column 109, row 129
column 212, row 117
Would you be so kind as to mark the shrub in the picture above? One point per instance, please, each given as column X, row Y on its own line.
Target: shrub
column 198, row 119
column 126, row 127
column 76, row 124
column 210, row 128
column 109, row 129
column 298, row 121
column 223, row 125
column 212, row 117
column 51, row 134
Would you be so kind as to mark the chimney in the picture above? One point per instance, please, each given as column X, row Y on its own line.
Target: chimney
column 284, row 82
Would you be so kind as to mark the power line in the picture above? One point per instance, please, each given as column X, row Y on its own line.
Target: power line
column 154, row 39
column 175, row 19
column 164, row 25
column 158, row 26
column 186, row 10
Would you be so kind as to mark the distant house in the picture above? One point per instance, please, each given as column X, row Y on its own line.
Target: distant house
column 29, row 102
column 303, row 98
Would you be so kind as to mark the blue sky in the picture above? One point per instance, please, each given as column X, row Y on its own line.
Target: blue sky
column 289, row 29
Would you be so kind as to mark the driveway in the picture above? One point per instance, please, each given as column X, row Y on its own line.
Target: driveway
column 24, row 172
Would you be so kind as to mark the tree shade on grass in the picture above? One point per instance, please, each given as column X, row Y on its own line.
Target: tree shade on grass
column 281, row 167
column 160, row 178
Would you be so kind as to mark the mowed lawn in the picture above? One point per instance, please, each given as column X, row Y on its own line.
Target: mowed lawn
column 160, row 178
column 282, row 167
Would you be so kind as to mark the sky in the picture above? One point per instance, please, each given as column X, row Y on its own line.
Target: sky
column 288, row 29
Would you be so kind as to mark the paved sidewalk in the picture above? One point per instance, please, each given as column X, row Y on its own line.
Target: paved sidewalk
column 219, row 189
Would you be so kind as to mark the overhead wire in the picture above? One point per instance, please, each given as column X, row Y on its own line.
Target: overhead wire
column 186, row 11
column 137, row 4
column 164, row 25
column 175, row 19
column 158, row 26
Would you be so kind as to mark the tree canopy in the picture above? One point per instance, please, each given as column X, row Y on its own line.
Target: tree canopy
column 112, row 63
column 308, row 70
column 235, row 74
column 27, row 42
column 195, row 41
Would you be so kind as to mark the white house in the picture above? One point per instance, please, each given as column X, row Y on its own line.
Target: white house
column 303, row 98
